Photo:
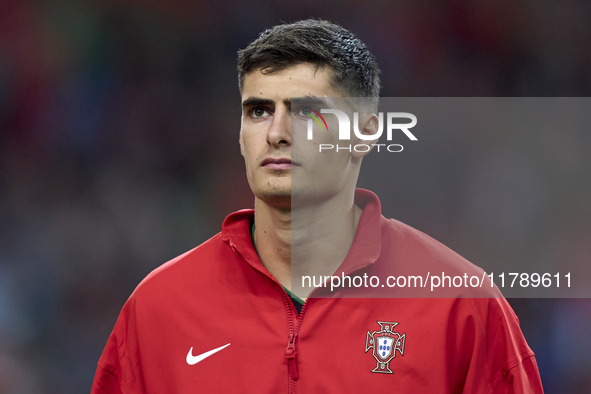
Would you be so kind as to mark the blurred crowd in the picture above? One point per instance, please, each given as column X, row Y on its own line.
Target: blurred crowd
column 119, row 126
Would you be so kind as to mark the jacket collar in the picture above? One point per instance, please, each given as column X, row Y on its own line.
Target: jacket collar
column 367, row 243
column 365, row 249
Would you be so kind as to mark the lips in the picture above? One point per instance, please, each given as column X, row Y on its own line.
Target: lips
column 277, row 163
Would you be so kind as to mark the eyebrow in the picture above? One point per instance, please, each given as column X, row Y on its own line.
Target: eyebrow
column 308, row 100
column 255, row 101
column 311, row 100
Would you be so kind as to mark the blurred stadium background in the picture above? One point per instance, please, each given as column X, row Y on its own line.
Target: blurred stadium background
column 119, row 150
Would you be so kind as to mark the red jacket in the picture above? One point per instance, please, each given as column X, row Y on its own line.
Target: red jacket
column 219, row 297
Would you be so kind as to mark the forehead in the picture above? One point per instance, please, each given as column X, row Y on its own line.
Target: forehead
column 299, row 80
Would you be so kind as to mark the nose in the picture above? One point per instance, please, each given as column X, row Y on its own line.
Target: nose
column 279, row 132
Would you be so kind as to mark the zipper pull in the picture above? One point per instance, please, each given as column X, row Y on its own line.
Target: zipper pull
column 290, row 355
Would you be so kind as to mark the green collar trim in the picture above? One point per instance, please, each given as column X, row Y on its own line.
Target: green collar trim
column 294, row 297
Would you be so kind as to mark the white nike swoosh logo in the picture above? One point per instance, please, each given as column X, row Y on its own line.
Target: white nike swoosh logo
column 192, row 360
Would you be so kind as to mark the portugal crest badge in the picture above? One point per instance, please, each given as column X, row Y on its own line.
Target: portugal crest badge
column 385, row 343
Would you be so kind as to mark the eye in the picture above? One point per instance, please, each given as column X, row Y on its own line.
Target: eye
column 306, row 111
column 258, row 112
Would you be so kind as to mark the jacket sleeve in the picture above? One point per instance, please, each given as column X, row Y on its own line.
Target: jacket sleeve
column 501, row 360
column 106, row 381
column 119, row 369
column 512, row 362
column 522, row 378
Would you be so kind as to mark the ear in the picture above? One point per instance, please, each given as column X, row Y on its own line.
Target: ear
column 368, row 125
column 241, row 143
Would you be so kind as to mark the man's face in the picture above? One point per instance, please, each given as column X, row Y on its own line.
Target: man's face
column 276, row 169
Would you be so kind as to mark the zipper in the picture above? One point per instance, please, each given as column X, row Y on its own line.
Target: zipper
column 235, row 250
column 291, row 351
column 291, row 356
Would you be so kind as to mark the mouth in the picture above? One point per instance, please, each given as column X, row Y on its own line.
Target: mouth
column 277, row 163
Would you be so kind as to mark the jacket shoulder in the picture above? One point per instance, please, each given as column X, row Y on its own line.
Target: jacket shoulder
column 188, row 266
column 422, row 250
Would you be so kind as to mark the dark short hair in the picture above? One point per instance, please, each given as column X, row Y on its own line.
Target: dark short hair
column 325, row 44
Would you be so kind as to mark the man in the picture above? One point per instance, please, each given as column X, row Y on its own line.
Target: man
column 222, row 318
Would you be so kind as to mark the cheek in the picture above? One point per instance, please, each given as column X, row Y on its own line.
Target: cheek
column 250, row 150
column 245, row 141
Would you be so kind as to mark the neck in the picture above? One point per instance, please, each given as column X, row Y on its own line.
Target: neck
column 312, row 240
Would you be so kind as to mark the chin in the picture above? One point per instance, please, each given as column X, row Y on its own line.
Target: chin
column 311, row 195
column 275, row 196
